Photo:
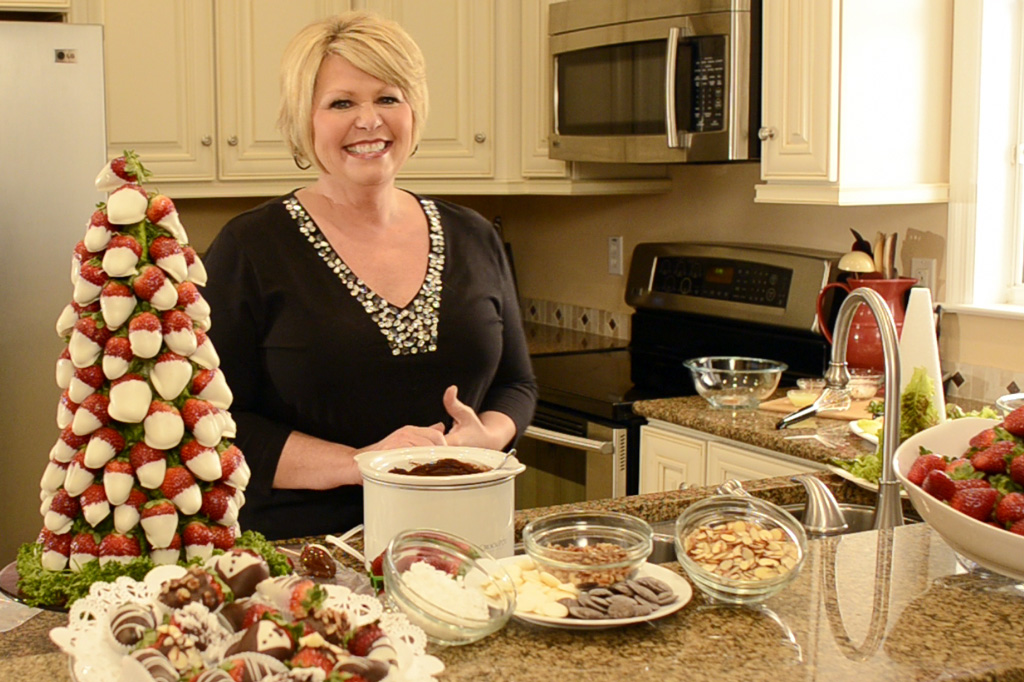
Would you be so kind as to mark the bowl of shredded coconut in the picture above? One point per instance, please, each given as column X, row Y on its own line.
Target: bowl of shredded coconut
column 451, row 588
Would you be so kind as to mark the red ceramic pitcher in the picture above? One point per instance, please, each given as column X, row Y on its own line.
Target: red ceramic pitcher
column 864, row 347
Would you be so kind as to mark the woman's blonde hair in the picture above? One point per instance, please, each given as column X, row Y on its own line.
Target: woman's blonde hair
column 376, row 45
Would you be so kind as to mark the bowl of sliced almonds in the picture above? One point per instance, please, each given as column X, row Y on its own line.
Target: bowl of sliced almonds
column 739, row 549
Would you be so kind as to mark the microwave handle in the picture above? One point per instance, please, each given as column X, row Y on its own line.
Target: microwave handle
column 671, row 53
column 575, row 442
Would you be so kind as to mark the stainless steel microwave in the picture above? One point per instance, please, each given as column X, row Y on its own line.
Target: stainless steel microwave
column 655, row 81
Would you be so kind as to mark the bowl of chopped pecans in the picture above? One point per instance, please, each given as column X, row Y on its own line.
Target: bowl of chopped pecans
column 739, row 549
column 589, row 548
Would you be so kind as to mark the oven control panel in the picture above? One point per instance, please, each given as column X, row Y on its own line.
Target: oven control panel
column 722, row 279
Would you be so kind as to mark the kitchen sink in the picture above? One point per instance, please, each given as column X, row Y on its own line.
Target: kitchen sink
column 859, row 517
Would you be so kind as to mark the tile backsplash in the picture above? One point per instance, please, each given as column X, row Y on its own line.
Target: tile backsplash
column 575, row 317
column 985, row 383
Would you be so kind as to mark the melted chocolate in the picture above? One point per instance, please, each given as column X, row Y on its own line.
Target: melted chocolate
column 445, row 466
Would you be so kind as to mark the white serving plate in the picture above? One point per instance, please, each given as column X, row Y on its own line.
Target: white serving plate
column 856, row 428
column 679, row 585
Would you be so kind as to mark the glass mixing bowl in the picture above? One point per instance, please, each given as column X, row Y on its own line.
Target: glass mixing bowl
column 735, row 383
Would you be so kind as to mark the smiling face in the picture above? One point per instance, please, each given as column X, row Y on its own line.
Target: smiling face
column 362, row 127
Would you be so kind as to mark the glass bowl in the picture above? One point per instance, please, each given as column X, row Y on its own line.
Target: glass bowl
column 589, row 548
column 1010, row 402
column 735, row 383
column 740, row 570
column 452, row 589
column 864, row 384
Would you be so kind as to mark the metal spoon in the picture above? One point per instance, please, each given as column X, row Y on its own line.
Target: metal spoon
column 511, row 453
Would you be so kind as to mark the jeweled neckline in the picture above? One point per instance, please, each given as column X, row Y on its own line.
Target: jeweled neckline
column 408, row 330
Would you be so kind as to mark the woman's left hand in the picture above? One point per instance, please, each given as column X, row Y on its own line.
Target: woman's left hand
column 489, row 430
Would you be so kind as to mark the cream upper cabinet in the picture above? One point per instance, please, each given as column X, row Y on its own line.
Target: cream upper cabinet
column 35, row 5
column 856, row 101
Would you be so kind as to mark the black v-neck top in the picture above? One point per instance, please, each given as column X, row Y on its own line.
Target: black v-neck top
column 306, row 347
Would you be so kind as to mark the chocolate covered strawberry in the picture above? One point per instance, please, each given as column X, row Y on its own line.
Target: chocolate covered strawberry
column 84, row 549
column 178, row 332
column 98, row 231
column 79, row 476
column 162, row 212
column 205, row 355
column 167, row 254
column 198, row 540
column 203, row 420
column 119, row 171
column 122, row 255
column 150, row 465
column 179, row 486
column 91, row 279
column 130, row 399
column 95, row 505
column 117, row 303
column 153, row 286
column 64, row 370
column 66, row 408
column 117, row 357
column 127, row 205
column 163, row 426
column 196, row 269
column 236, row 470
column 80, row 254
column 192, row 302
column 66, row 321
column 170, row 554
column 56, row 550
column 91, row 414
column 212, row 386
column 68, row 443
column 219, row 505
column 170, row 375
column 128, row 513
column 84, row 382
column 104, row 444
column 201, row 460
column 119, row 548
column 159, row 520
column 53, row 477
column 145, row 335
column 118, row 479
column 87, row 341
column 64, row 509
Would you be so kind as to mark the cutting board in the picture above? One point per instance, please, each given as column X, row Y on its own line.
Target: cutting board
column 858, row 409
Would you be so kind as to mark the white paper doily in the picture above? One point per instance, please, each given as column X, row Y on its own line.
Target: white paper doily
column 94, row 658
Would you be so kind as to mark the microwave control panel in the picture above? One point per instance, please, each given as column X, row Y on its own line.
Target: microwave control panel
column 723, row 280
column 706, row 56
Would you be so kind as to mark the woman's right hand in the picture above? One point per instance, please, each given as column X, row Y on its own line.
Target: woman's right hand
column 410, row 437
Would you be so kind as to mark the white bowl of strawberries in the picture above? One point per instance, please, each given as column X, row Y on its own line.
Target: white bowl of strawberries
column 965, row 477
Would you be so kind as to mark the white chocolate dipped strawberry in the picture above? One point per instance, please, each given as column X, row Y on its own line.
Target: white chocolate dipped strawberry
column 149, row 464
column 64, row 509
column 66, row 321
column 159, row 520
column 64, row 370
column 56, row 550
column 229, row 428
column 205, row 355
column 84, row 382
column 120, row 170
column 130, row 398
column 201, row 460
column 122, row 255
column 219, row 505
column 203, row 420
column 198, row 540
column 79, row 476
column 68, row 443
column 170, row 375
column 122, row 549
column 66, row 409
column 235, row 469
column 170, row 554
column 91, row 279
column 192, row 302
column 117, row 357
column 95, row 506
column 180, row 487
column 163, row 426
column 152, row 285
column 104, row 444
column 117, row 303
column 127, row 514
column 46, row 497
column 167, row 254
column 118, row 479
column 196, row 269
column 162, row 212
column 91, row 415
column 86, row 342
column 145, row 335
column 127, row 205
column 98, row 231
column 53, row 476
column 178, row 332
column 84, row 550
column 211, row 385
column 80, row 254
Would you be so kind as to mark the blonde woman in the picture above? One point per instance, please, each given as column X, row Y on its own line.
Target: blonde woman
column 350, row 314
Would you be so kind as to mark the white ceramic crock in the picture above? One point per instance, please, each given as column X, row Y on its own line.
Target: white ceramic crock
column 479, row 507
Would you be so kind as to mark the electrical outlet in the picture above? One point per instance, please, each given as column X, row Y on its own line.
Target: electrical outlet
column 923, row 270
column 614, row 255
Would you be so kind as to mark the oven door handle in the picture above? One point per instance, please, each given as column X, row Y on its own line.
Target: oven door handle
column 604, row 447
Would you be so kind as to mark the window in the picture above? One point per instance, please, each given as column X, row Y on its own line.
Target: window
column 985, row 245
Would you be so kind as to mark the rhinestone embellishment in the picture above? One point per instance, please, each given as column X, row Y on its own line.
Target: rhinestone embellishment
column 409, row 330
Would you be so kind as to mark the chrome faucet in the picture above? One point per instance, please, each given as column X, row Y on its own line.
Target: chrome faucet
column 888, row 510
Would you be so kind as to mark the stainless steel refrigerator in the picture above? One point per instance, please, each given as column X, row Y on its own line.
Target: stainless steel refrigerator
column 52, row 144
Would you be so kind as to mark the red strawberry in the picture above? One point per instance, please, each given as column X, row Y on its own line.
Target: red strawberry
column 1014, row 422
column 63, row 510
column 992, row 460
column 1016, row 469
column 126, row 205
column 192, row 302
column 104, row 444
column 975, row 502
column 1018, row 527
column 127, row 515
column 254, row 613
column 170, row 375
column 1010, row 509
column 163, row 426
column 179, row 334
column 939, row 485
column 196, row 270
column 203, row 420
column 119, row 548
column 117, row 357
column 84, row 549
column 117, row 303
column 84, row 382
column 201, row 460
column 236, row 471
column 983, row 439
column 180, row 487
column 151, row 284
column 955, row 464
column 211, row 385
column 56, row 549
column 122, row 255
column 364, row 638
column 118, row 477
column 198, row 540
column 149, row 463
column 159, row 519
column 53, row 478
column 144, row 335
column 169, row 554
column 91, row 414
column 81, row 253
column 308, row 657
column 223, row 536
column 968, row 483
column 95, row 506
column 121, row 170
column 306, row 596
column 219, row 505
column 91, row 279
column 377, row 566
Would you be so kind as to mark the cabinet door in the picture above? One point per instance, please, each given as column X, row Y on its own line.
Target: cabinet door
column 251, row 37
column 800, row 90
column 458, row 42
column 669, row 461
column 158, row 59
column 535, row 81
column 726, row 462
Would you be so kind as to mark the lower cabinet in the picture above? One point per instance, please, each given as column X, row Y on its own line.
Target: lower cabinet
column 674, row 457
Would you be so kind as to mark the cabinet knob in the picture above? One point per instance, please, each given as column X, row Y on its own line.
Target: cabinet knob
column 766, row 134
column 233, row 141
column 207, row 141
column 480, row 137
